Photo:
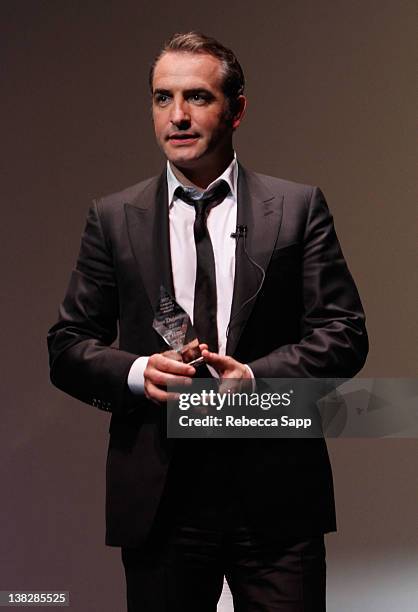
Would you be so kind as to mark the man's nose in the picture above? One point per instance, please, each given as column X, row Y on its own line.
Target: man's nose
column 180, row 115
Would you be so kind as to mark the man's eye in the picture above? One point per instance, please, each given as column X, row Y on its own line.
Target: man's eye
column 161, row 99
column 198, row 98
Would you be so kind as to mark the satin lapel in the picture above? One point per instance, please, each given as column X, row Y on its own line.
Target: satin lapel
column 261, row 211
column 148, row 230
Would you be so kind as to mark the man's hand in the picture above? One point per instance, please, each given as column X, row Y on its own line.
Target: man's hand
column 162, row 369
column 235, row 376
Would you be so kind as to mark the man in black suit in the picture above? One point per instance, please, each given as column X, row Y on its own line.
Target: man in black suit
column 282, row 304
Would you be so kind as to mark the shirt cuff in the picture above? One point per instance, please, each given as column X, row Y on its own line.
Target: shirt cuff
column 135, row 378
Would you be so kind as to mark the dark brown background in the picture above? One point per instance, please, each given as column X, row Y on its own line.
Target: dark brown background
column 330, row 103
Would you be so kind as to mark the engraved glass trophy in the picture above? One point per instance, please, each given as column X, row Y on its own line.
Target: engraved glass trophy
column 173, row 324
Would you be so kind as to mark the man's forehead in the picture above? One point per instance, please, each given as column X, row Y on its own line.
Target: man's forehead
column 185, row 70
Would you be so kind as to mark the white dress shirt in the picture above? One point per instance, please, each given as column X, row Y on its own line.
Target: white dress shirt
column 222, row 221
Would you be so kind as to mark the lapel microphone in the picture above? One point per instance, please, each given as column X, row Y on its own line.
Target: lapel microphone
column 240, row 232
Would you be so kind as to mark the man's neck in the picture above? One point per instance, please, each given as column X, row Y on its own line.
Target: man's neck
column 200, row 178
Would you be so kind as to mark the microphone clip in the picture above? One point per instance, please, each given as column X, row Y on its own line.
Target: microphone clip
column 240, row 232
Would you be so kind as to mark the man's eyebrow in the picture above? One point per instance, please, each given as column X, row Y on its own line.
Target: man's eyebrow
column 198, row 90
column 186, row 92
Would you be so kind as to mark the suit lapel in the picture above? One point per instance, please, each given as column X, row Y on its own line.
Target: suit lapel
column 148, row 230
column 261, row 211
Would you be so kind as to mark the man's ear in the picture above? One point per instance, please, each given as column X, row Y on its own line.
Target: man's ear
column 238, row 111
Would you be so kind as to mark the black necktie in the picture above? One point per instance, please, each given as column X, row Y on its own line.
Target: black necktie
column 205, row 298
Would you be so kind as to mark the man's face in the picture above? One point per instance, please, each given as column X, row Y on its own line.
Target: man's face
column 191, row 115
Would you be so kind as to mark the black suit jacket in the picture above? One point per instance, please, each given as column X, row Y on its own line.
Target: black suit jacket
column 307, row 321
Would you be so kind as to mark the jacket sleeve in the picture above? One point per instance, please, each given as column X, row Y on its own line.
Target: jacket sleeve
column 333, row 339
column 82, row 361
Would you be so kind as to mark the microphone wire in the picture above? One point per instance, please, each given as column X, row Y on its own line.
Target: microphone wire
column 241, row 232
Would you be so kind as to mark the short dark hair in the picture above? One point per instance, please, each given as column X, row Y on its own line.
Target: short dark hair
column 196, row 42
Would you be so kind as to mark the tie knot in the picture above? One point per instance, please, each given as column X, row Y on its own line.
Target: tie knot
column 205, row 200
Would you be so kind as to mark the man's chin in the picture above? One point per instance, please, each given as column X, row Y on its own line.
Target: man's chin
column 182, row 160
column 185, row 154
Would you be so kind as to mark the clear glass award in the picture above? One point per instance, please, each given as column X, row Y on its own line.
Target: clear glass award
column 173, row 324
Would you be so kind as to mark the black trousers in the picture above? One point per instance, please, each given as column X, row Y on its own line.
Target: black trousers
column 202, row 534
column 186, row 574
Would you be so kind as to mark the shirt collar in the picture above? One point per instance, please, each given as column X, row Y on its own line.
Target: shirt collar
column 230, row 175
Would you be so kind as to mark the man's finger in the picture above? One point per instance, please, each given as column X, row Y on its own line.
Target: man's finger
column 157, row 377
column 158, row 395
column 169, row 365
column 154, row 393
column 172, row 355
column 214, row 359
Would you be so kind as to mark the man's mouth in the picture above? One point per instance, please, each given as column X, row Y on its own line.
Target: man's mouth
column 183, row 138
